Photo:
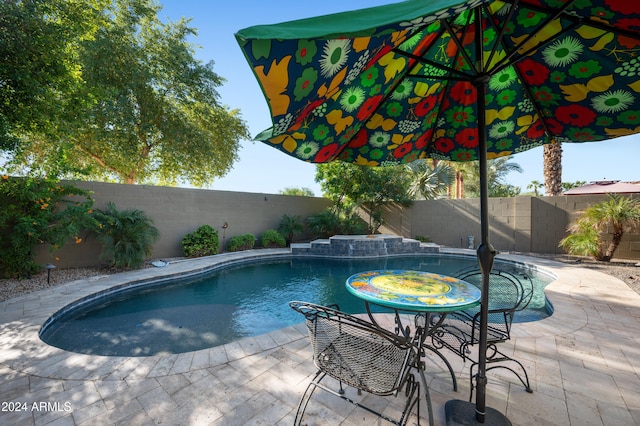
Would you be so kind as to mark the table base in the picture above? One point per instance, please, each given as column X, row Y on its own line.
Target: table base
column 463, row 413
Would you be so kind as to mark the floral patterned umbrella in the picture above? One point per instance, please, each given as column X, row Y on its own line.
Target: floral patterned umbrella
column 449, row 79
column 398, row 82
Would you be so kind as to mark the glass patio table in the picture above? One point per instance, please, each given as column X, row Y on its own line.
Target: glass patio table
column 417, row 292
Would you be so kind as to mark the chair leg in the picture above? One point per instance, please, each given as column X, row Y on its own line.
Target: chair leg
column 427, row 397
column 446, row 361
column 306, row 397
column 499, row 357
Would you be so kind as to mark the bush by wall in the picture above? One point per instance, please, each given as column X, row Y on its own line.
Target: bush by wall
column 38, row 211
column 241, row 242
column 273, row 239
column 201, row 242
column 126, row 236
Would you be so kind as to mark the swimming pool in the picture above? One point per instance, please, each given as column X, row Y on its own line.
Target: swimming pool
column 225, row 305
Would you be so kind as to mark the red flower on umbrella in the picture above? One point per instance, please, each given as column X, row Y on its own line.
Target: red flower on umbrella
column 423, row 140
column 359, row 140
column 536, row 131
column 426, row 105
column 445, row 144
column 468, row 138
column 629, row 43
column 403, row 150
column 327, row 153
column 368, row 107
column 554, row 126
column 464, row 93
column 576, row 115
column 625, row 7
column 533, row 72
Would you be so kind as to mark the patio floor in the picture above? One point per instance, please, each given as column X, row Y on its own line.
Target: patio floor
column 583, row 362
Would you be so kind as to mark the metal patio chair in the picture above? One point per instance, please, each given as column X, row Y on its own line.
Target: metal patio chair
column 509, row 292
column 364, row 356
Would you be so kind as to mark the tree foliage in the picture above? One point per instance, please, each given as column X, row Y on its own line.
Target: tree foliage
column 35, row 212
column 146, row 109
column 497, row 171
column 429, row 182
column 39, row 42
column 350, row 186
column 300, row 192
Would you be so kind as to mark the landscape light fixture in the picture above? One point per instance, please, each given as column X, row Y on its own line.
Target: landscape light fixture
column 49, row 268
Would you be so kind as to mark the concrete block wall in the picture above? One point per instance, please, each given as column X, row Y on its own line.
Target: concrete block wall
column 179, row 211
column 524, row 224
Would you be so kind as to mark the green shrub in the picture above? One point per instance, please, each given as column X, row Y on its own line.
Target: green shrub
column 289, row 226
column 38, row 211
column 273, row 239
column 126, row 236
column 422, row 239
column 201, row 242
column 241, row 242
column 328, row 223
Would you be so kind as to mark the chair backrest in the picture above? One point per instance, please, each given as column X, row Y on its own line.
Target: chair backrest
column 357, row 352
column 507, row 291
column 508, row 294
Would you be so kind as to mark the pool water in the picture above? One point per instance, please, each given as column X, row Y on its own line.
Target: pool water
column 228, row 304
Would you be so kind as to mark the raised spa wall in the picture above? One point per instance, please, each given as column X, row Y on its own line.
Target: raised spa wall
column 363, row 246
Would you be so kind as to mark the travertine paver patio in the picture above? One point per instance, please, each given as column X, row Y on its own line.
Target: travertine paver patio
column 584, row 365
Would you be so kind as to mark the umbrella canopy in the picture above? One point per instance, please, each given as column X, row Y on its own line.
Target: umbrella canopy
column 450, row 79
column 398, row 82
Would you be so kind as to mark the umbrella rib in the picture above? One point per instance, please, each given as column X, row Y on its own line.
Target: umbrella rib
column 463, row 76
column 507, row 60
column 502, row 30
column 584, row 21
column 461, row 49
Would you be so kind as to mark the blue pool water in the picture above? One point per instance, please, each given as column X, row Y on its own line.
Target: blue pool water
column 228, row 304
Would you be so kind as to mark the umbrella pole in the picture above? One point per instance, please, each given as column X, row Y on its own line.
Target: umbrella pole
column 459, row 412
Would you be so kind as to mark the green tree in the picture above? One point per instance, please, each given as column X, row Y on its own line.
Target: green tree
column 429, row 182
column 350, row 186
column 497, row 171
column 568, row 185
column 150, row 110
column 301, row 192
column 39, row 42
column 585, row 233
column 535, row 185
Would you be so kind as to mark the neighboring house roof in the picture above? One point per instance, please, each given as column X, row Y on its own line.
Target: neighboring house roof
column 604, row 187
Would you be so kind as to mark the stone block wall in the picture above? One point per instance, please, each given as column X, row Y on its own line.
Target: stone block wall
column 522, row 224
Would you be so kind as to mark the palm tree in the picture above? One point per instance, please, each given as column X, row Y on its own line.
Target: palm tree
column 289, row 226
column 497, row 171
column 552, row 156
column 429, row 182
column 617, row 213
column 535, row 185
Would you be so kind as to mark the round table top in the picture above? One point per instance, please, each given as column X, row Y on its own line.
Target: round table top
column 414, row 290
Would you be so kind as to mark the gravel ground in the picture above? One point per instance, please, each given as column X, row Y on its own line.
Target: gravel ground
column 626, row 271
